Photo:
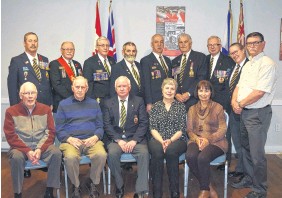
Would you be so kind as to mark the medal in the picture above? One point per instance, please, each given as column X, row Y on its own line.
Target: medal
column 135, row 119
column 98, row 100
column 25, row 75
column 191, row 72
column 221, row 80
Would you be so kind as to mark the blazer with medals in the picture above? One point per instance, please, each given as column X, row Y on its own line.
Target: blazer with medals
column 136, row 124
column 154, row 75
column 93, row 66
column 21, row 71
column 61, row 82
column 220, row 80
column 195, row 71
column 121, row 69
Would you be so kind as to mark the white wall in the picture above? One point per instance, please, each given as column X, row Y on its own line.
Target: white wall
column 56, row 21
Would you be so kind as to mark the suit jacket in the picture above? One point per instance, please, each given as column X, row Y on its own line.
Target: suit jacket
column 60, row 81
column 221, row 85
column 136, row 124
column 196, row 63
column 121, row 69
column 152, row 84
column 21, row 71
column 98, row 88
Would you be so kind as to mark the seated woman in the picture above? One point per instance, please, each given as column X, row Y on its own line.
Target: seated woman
column 206, row 130
column 167, row 125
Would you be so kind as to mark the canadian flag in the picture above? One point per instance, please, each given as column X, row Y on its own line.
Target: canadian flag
column 97, row 31
column 241, row 28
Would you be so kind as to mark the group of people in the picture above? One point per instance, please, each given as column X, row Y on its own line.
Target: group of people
column 158, row 108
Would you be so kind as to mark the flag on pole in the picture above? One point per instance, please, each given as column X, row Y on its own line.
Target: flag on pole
column 97, row 31
column 227, row 38
column 111, row 33
column 241, row 28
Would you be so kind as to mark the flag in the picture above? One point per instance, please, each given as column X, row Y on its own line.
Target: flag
column 227, row 38
column 111, row 33
column 97, row 31
column 241, row 28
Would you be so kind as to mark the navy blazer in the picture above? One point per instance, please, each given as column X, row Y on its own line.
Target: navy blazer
column 221, row 89
column 195, row 62
column 60, row 81
column 121, row 69
column 150, row 65
column 21, row 71
column 136, row 124
column 99, row 88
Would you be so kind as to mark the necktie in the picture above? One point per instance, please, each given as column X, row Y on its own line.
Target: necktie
column 36, row 69
column 211, row 64
column 232, row 82
column 72, row 68
column 122, row 114
column 107, row 67
column 136, row 76
column 182, row 68
column 163, row 65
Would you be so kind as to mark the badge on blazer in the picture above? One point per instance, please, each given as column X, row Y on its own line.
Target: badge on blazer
column 25, row 75
column 98, row 100
column 64, row 74
column 26, row 62
column 135, row 119
column 191, row 72
column 47, row 75
column 221, row 75
column 154, row 67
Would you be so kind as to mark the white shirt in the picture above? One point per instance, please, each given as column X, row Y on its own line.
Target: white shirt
column 240, row 67
column 71, row 65
column 129, row 66
column 158, row 58
column 107, row 61
column 30, row 58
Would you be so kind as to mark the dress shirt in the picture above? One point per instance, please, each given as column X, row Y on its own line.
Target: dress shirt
column 215, row 58
column 125, row 105
column 107, row 61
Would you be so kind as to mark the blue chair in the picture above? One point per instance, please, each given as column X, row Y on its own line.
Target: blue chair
column 30, row 166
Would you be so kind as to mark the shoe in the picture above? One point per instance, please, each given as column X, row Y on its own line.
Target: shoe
column 138, row 195
column 127, row 166
column 93, row 191
column 27, row 173
column 120, row 192
column 18, row 195
column 245, row 182
column 254, row 194
column 204, row 194
column 44, row 169
column 49, row 193
column 235, row 174
column 75, row 192
column 213, row 193
column 221, row 167
column 175, row 195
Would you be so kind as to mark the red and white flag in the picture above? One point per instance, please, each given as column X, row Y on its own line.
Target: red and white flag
column 241, row 28
column 97, row 31
column 111, row 33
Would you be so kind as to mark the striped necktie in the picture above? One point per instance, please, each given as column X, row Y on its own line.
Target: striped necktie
column 73, row 70
column 182, row 68
column 235, row 75
column 211, row 64
column 122, row 114
column 136, row 76
column 36, row 69
column 163, row 65
column 107, row 68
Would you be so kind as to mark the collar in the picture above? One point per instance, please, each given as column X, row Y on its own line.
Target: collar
column 216, row 56
column 242, row 62
column 67, row 61
column 31, row 57
column 255, row 58
column 126, row 99
column 188, row 53
column 102, row 58
column 75, row 100
column 128, row 63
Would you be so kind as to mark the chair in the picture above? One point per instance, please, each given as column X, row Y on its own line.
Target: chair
column 186, row 174
column 83, row 160
column 42, row 164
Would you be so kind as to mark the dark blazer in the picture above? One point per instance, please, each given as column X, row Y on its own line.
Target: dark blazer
column 196, row 62
column 150, row 65
column 21, row 71
column 221, row 89
column 100, row 88
column 60, row 82
column 121, row 69
column 136, row 124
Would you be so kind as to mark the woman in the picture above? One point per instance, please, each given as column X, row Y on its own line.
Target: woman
column 206, row 130
column 167, row 125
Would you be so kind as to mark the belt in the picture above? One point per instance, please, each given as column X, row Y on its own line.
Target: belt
column 246, row 109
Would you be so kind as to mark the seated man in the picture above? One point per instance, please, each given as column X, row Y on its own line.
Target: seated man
column 30, row 132
column 79, row 126
column 126, row 124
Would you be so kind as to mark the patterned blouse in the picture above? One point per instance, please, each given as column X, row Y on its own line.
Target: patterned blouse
column 167, row 123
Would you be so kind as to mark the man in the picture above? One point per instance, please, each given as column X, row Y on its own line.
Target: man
column 126, row 124
column 155, row 67
column 188, row 69
column 97, row 70
column 79, row 126
column 62, row 72
column 237, row 53
column 130, row 68
column 30, row 132
column 29, row 67
column 252, row 99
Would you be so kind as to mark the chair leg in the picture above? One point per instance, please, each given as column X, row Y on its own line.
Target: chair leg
column 109, row 180
column 186, row 176
column 58, row 193
column 66, row 182
column 104, row 182
column 225, row 179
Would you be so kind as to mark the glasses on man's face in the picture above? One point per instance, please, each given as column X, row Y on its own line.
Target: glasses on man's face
column 30, row 93
column 68, row 49
column 233, row 53
column 103, row 45
column 80, row 87
column 213, row 45
column 255, row 43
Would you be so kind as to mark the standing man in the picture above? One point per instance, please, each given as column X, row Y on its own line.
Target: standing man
column 62, row 72
column 30, row 132
column 79, row 126
column 188, row 69
column 131, row 69
column 97, row 70
column 126, row 125
column 155, row 67
column 252, row 98
column 237, row 53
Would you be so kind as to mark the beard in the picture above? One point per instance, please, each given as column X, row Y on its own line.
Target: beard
column 129, row 58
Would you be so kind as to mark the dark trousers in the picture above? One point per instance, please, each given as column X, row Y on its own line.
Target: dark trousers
column 199, row 162
column 171, row 156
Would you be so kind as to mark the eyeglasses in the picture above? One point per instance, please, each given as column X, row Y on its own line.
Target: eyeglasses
column 213, row 45
column 183, row 42
column 103, row 45
column 68, row 49
column 255, row 43
column 30, row 93
column 233, row 53
column 80, row 87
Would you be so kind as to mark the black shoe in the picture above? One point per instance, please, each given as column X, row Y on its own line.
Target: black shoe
column 254, row 194
column 93, row 191
column 49, row 193
column 127, row 166
column 235, row 174
column 175, row 195
column 120, row 192
column 18, row 195
column 221, row 167
column 245, row 182
column 27, row 173
column 75, row 192
column 138, row 195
